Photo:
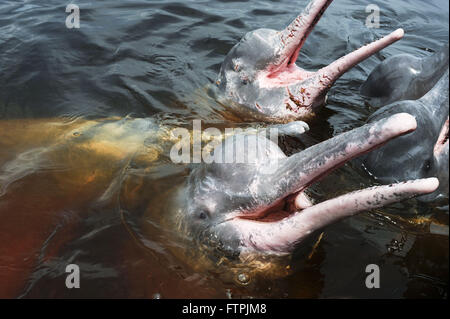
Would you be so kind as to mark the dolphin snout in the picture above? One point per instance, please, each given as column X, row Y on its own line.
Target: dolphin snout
column 260, row 77
column 293, row 217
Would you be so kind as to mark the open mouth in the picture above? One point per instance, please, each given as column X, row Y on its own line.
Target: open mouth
column 284, row 218
column 299, row 201
column 289, row 74
column 286, row 76
column 285, row 207
column 279, row 231
column 442, row 139
column 284, row 72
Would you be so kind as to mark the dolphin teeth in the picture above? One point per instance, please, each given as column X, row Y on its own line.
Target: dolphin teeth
column 302, row 201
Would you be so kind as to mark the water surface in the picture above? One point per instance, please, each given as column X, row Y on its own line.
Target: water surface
column 153, row 59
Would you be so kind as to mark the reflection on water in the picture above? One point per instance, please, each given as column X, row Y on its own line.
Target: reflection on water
column 91, row 187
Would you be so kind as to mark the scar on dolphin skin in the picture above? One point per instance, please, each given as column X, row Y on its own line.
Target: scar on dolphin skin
column 259, row 78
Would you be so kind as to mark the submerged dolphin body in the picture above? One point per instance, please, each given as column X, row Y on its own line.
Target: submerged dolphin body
column 422, row 153
column 404, row 77
column 52, row 171
column 259, row 78
column 243, row 208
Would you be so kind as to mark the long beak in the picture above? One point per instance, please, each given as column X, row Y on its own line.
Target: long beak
column 294, row 36
column 282, row 236
column 299, row 171
column 332, row 72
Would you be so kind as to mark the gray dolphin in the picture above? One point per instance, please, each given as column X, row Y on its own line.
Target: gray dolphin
column 261, row 205
column 422, row 153
column 259, row 78
column 404, row 77
column 52, row 166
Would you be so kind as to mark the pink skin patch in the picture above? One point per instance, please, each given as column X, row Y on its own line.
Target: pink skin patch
column 286, row 76
column 294, row 36
column 297, row 93
column 342, row 65
column 280, row 237
column 290, row 74
column 442, row 140
column 278, row 228
column 396, row 125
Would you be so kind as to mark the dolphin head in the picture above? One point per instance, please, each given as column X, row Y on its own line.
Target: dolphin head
column 259, row 78
column 404, row 77
column 422, row 153
column 260, row 206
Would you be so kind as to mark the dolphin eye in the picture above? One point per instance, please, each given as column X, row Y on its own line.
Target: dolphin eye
column 203, row 215
column 427, row 165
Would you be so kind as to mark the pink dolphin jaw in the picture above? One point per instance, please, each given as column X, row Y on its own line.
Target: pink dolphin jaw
column 278, row 228
column 260, row 78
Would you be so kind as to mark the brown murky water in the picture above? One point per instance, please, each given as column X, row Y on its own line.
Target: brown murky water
column 83, row 183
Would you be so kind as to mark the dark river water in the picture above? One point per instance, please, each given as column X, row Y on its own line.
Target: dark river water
column 153, row 59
